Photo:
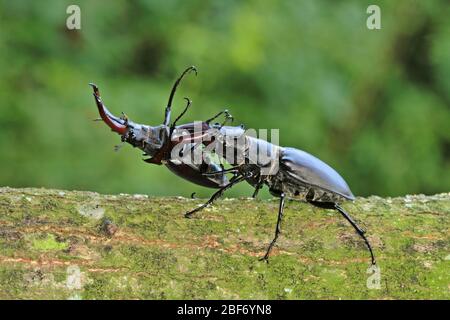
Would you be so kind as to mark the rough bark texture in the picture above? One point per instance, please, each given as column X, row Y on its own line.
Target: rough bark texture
column 69, row 244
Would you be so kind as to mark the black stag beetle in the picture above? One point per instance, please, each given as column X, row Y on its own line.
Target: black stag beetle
column 289, row 173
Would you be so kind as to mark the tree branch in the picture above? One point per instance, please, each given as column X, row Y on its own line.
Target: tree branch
column 70, row 244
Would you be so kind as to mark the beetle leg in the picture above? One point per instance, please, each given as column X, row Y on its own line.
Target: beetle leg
column 215, row 196
column 257, row 188
column 216, row 116
column 358, row 229
column 227, row 117
column 277, row 228
column 230, row 170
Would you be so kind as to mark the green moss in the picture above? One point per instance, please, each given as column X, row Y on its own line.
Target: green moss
column 158, row 254
column 11, row 282
column 48, row 243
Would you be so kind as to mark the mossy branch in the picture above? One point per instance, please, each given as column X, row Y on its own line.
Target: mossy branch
column 70, row 244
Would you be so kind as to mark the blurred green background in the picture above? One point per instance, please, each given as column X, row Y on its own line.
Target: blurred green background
column 374, row 104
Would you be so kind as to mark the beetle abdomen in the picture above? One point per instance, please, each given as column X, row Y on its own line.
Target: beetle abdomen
column 315, row 179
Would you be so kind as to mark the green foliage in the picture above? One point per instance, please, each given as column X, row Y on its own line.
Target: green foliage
column 374, row 104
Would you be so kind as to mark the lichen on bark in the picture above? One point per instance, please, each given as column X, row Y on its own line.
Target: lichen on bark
column 70, row 245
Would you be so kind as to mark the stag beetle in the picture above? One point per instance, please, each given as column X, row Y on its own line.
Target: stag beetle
column 289, row 173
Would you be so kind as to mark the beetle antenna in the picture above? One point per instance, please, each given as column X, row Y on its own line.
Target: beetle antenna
column 172, row 93
column 188, row 104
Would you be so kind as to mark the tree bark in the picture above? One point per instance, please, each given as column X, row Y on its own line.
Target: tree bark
column 82, row 245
